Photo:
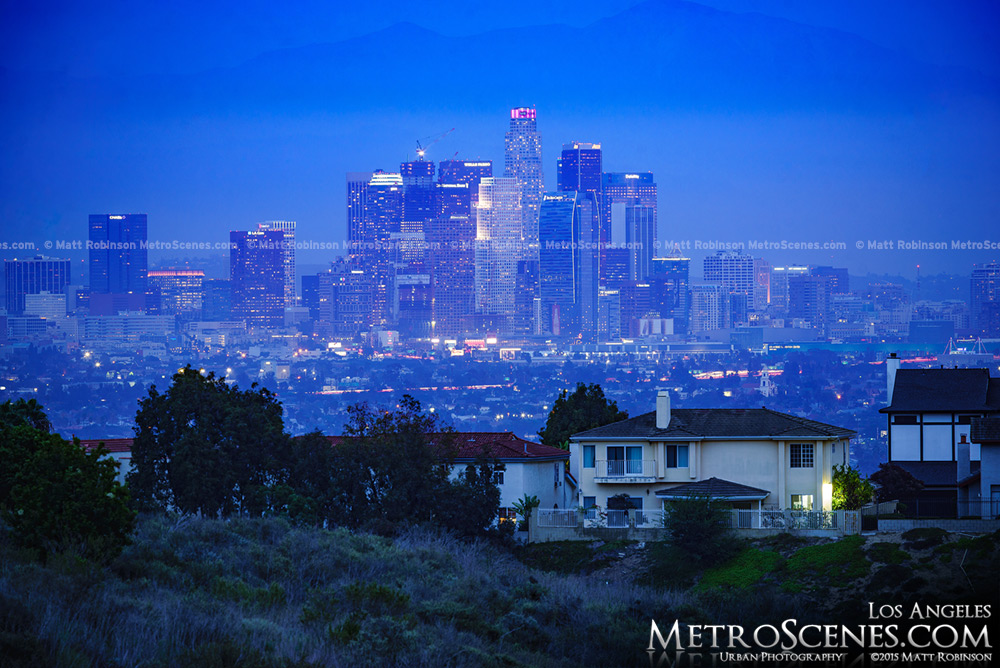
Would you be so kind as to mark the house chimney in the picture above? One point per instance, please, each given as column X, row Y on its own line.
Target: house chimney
column 662, row 409
column 891, row 367
column 962, row 454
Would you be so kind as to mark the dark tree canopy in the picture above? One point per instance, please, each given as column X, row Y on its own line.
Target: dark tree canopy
column 309, row 495
column 895, row 483
column 205, row 446
column 24, row 413
column 394, row 467
column 57, row 497
column 586, row 408
column 699, row 525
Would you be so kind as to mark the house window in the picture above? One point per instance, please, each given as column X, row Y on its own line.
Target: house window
column 588, row 456
column 498, row 477
column 589, row 502
column 633, row 456
column 507, row 515
column 966, row 419
column 677, row 456
column 802, row 455
column 802, row 501
column 904, row 419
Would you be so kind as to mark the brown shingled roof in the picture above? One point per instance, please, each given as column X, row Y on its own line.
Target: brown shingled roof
column 688, row 423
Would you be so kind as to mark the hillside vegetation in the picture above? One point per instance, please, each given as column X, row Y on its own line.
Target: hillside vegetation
column 264, row 593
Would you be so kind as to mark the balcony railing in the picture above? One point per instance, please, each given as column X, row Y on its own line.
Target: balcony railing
column 627, row 469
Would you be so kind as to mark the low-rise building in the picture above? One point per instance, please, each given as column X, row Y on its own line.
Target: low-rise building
column 522, row 468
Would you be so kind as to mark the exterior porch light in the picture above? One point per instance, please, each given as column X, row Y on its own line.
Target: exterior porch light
column 827, row 500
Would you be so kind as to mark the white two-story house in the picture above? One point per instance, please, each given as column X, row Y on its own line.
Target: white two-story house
column 750, row 457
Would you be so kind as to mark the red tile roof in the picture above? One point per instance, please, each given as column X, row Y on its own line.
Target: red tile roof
column 499, row 445
column 502, row 445
column 115, row 445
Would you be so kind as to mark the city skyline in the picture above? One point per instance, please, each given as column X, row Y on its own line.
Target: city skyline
column 887, row 135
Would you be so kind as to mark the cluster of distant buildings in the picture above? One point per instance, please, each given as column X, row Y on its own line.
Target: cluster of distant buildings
column 438, row 252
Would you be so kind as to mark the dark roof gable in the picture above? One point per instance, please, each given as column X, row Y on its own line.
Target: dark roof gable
column 944, row 390
column 686, row 423
column 716, row 488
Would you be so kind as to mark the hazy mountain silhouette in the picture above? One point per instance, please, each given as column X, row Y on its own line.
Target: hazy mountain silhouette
column 660, row 54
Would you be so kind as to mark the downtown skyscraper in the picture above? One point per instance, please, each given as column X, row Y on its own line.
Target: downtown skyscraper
column 523, row 164
column 569, row 228
column 579, row 168
column 33, row 276
column 118, row 260
column 628, row 227
column 286, row 227
column 257, row 277
column 985, row 299
column 499, row 216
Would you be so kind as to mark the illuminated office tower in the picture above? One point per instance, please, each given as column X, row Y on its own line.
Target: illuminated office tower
column 742, row 276
column 344, row 297
column 383, row 219
column 669, row 285
column 118, row 253
column 418, row 190
column 710, row 309
column 357, row 197
column 457, row 189
column 451, row 263
column 985, row 299
column 287, row 227
column 177, row 291
column 810, row 297
column 780, row 280
column 33, row 276
column 217, row 304
column 257, row 277
column 523, row 163
column 498, row 240
column 628, row 226
column 568, row 228
column 579, row 168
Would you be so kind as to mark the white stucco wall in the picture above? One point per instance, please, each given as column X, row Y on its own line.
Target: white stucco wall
column 534, row 479
column 764, row 464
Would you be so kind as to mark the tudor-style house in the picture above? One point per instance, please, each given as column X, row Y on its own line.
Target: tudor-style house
column 930, row 416
column 750, row 457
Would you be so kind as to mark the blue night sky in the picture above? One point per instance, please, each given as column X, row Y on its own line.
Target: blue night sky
column 801, row 121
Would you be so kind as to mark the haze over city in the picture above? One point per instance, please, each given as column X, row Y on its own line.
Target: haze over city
column 761, row 122
column 573, row 333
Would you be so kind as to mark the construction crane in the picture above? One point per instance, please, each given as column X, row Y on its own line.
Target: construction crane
column 422, row 149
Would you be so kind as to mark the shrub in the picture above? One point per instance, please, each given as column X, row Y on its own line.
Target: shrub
column 57, row 497
column 887, row 553
column 698, row 525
